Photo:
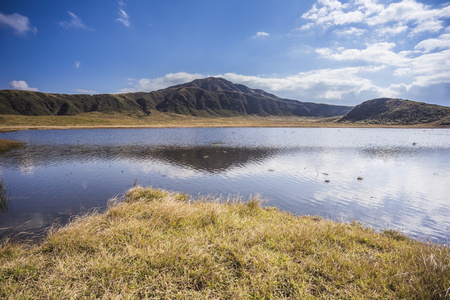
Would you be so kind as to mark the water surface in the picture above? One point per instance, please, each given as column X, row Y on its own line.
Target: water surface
column 384, row 178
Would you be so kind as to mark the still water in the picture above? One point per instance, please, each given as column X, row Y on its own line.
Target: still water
column 385, row 178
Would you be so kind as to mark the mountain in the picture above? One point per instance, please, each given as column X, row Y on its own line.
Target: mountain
column 201, row 97
column 397, row 112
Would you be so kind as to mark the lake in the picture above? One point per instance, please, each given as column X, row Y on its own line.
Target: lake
column 384, row 178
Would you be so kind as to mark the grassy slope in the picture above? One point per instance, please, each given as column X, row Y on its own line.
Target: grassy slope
column 213, row 97
column 398, row 112
column 155, row 244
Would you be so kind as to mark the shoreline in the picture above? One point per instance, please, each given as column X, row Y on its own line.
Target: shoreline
column 44, row 127
column 103, row 121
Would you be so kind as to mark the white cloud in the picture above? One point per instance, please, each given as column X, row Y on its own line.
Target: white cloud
column 123, row 17
column 390, row 18
column 75, row 22
column 77, row 64
column 441, row 42
column 379, row 53
column 306, row 26
column 421, row 67
column 317, row 85
column 21, row 85
column 351, row 31
column 261, row 34
column 20, row 24
column 81, row 91
column 428, row 69
column 147, row 85
column 417, row 64
column 332, row 12
column 428, row 26
column 419, row 15
column 391, row 30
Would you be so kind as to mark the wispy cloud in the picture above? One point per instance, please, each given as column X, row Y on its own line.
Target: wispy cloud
column 77, row 64
column 81, row 91
column 123, row 18
column 74, row 22
column 350, row 31
column 20, row 24
column 147, row 85
column 21, row 85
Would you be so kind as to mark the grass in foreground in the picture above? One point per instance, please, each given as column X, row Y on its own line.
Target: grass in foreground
column 6, row 145
column 155, row 244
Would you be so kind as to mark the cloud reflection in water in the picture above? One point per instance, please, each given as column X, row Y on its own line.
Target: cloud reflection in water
column 404, row 186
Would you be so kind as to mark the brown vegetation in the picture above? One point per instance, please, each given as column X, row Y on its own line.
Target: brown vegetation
column 156, row 244
column 6, row 145
column 389, row 111
column 165, row 120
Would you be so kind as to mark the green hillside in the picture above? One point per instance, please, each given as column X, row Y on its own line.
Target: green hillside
column 204, row 97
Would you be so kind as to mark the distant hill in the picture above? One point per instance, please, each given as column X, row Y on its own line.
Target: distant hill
column 202, row 97
column 397, row 112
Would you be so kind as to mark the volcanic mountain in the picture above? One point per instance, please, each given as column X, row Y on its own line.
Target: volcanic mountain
column 201, row 97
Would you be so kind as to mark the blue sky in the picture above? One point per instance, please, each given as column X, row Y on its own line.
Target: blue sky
column 328, row 51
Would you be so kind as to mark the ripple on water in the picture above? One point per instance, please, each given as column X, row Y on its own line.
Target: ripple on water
column 303, row 170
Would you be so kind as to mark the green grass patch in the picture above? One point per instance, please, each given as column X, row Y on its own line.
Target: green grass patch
column 158, row 244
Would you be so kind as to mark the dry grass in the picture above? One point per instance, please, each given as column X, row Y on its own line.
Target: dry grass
column 158, row 120
column 6, row 145
column 156, row 244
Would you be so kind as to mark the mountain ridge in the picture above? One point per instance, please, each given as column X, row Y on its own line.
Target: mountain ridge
column 202, row 97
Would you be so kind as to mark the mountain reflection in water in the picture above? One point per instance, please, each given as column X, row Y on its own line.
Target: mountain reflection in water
column 387, row 179
column 213, row 159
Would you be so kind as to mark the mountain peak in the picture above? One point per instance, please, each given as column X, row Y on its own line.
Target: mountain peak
column 214, row 84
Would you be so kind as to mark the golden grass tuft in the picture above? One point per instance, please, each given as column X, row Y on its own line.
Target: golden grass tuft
column 6, row 145
column 158, row 244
